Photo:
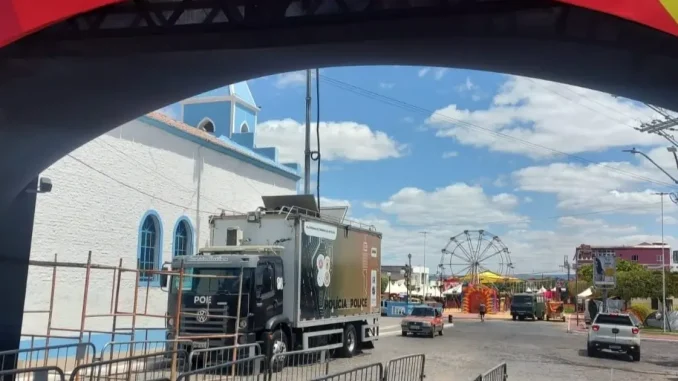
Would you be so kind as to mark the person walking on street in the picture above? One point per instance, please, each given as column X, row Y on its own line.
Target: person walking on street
column 482, row 310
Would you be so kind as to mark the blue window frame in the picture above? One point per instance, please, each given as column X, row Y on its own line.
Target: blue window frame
column 150, row 252
column 183, row 238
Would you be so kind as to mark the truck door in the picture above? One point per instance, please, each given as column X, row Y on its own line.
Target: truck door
column 266, row 303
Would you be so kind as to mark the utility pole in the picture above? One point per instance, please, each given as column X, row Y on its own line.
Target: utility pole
column 661, row 126
column 307, row 149
column 425, row 270
column 662, row 194
column 406, row 271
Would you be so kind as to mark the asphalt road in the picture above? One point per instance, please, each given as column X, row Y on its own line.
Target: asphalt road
column 532, row 350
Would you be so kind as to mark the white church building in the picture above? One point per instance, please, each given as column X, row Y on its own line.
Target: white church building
column 142, row 194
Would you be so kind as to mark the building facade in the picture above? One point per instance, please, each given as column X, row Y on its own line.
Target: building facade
column 647, row 254
column 138, row 196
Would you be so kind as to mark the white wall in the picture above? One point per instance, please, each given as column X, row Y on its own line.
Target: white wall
column 143, row 168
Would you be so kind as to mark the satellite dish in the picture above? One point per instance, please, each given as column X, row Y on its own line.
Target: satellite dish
column 673, row 197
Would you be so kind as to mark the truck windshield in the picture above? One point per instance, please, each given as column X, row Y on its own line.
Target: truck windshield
column 522, row 299
column 212, row 286
column 423, row 312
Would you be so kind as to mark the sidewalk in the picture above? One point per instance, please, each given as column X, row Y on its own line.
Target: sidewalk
column 645, row 334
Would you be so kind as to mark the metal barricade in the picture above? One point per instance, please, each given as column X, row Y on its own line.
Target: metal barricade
column 117, row 349
column 406, row 368
column 302, row 365
column 40, row 373
column 219, row 355
column 66, row 356
column 246, row 369
column 154, row 366
column 498, row 373
column 373, row 372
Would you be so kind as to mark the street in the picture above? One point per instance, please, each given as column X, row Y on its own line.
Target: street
column 533, row 351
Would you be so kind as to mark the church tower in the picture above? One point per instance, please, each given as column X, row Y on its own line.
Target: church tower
column 229, row 113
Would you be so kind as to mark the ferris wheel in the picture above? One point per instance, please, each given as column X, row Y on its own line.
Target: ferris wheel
column 472, row 252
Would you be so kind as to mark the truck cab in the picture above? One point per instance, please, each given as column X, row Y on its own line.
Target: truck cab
column 227, row 294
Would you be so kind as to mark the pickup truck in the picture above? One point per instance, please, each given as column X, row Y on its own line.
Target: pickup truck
column 614, row 332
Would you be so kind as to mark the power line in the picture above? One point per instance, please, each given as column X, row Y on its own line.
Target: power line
column 408, row 106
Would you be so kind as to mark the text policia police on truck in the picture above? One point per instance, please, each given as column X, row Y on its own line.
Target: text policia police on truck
column 286, row 276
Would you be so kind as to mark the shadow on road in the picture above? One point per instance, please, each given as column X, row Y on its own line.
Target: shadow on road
column 606, row 355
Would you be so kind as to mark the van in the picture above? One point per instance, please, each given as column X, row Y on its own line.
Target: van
column 528, row 305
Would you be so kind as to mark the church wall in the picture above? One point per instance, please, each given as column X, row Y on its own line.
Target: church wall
column 218, row 112
column 244, row 115
column 101, row 192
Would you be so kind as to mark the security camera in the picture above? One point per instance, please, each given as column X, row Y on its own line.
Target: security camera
column 44, row 186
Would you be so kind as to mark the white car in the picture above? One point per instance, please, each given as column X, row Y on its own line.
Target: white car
column 616, row 333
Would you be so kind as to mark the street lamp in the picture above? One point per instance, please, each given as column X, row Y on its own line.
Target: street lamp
column 426, row 272
column 635, row 151
column 662, row 194
column 406, row 271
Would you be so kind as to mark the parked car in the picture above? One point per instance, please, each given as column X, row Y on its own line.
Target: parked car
column 613, row 332
column 423, row 320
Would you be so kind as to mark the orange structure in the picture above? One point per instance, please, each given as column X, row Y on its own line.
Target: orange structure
column 474, row 295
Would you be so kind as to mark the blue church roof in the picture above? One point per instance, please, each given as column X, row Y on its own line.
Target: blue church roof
column 240, row 90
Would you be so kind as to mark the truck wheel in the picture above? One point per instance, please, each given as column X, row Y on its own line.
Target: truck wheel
column 279, row 347
column 350, row 341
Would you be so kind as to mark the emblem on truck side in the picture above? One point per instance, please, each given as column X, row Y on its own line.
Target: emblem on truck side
column 201, row 316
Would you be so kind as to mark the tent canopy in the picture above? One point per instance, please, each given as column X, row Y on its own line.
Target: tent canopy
column 491, row 277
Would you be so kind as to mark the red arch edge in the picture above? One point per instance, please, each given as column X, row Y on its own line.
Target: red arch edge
column 19, row 18
column 647, row 12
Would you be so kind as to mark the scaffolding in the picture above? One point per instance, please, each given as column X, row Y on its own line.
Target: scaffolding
column 82, row 334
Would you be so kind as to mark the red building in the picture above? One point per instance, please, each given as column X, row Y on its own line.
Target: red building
column 648, row 254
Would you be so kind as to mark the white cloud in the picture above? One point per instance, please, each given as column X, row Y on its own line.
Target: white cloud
column 455, row 205
column 447, row 155
column 449, row 211
column 601, row 187
column 324, row 202
column 668, row 220
column 386, row 85
column 408, row 119
column 539, row 112
column 348, row 141
column 438, row 72
column 468, row 85
column 527, row 199
column 294, row 78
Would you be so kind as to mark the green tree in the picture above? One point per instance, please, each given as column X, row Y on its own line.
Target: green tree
column 384, row 283
column 586, row 273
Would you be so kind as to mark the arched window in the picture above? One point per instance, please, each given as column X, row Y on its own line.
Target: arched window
column 183, row 238
column 150, row 252
column 244, row 128
column 207, row 125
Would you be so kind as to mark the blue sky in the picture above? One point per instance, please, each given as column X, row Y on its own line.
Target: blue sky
column 415, row 149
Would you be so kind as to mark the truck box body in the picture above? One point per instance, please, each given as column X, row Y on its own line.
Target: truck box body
column 331, row 269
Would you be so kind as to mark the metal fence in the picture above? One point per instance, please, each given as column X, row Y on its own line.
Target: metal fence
column 406, row 368
column 372, row 372
column 219, row 355
column 40, row 373
column 299, row 365
column 118, row 349
column 246, row 369
column 153, row 366
column 64, row 356
column 498, row 373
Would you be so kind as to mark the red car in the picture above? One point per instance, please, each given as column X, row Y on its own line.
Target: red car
column 423, row 320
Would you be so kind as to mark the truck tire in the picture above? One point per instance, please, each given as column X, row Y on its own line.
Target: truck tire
column 279, row 346
column 350, row 341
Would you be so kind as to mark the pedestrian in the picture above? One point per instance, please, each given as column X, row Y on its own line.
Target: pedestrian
column 482, row 310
